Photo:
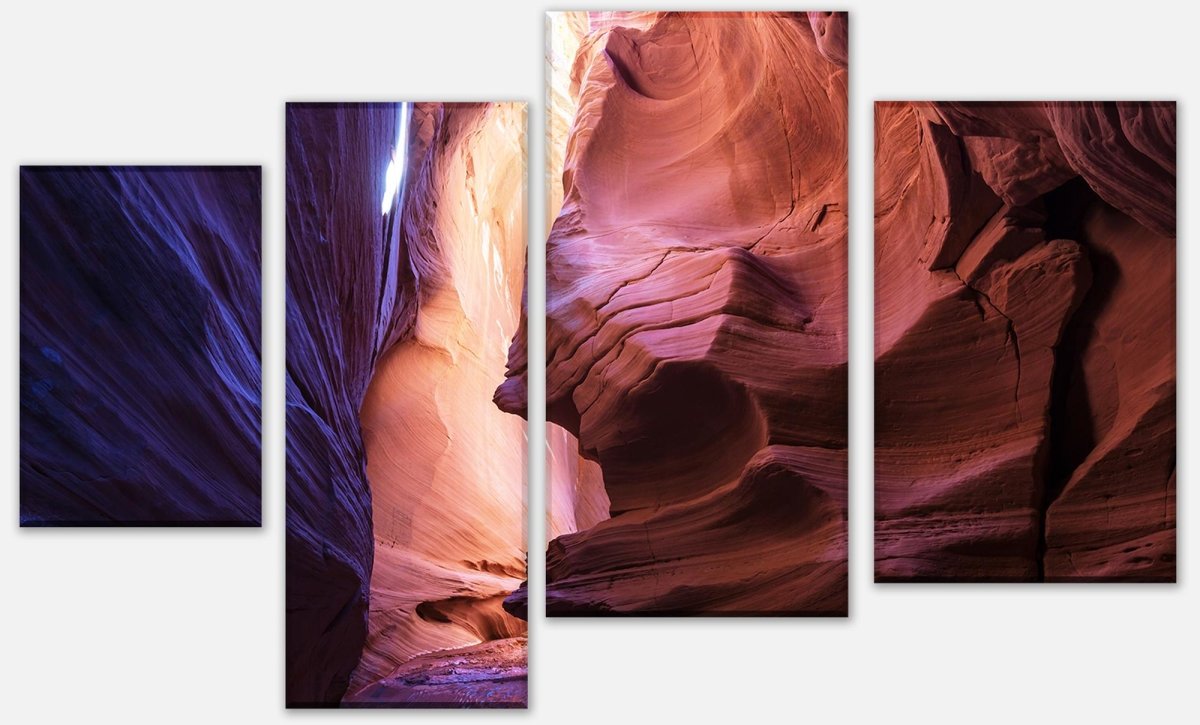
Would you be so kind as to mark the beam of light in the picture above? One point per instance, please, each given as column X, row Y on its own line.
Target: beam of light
column 395, row 169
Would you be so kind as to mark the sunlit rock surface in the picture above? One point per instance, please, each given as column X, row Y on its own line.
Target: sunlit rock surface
column 696, row 314
column 446, row 466
column 1025, row 354
column 140, row 342
column 406, row 484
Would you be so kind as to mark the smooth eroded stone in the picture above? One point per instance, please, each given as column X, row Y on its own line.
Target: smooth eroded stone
column 696, row 314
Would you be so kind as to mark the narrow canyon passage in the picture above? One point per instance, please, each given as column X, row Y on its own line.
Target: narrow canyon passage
column 447, row 468
column 406, row 484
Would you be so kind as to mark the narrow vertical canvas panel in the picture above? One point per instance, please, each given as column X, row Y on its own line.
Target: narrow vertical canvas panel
column 140, row 341
column 406, row 483
column 696, row 313
column 1025, row 341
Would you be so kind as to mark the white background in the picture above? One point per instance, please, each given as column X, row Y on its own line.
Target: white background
column 151, row 626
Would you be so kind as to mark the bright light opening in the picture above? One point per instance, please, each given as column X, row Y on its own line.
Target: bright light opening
column 395, row 169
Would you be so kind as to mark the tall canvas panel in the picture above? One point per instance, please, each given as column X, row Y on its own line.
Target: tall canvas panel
column 405, row 482
column 696, row 314
column 1025, row 341
column 140, row 345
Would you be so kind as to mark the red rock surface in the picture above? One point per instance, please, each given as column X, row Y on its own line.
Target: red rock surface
column 1025, row 355
column 696, row 314
column 405, row 484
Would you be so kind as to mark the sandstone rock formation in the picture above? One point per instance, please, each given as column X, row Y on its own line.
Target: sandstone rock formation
column 494, row 672
column 140, row 340
column 406, row 484
column 1025, row 341
column 696, row 314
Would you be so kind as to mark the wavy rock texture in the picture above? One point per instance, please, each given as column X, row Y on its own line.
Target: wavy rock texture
column 1025, row 354
column 405, row 484
column 696, row 315
column 446, row 466
column 140, row 342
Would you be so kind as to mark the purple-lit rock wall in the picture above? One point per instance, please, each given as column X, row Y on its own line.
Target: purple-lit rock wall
column 340, row 315
column 140, row 340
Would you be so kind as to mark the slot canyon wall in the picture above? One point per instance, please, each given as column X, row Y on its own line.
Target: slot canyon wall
column 406, row 485
column 696, row 314
column 1025, row 341
column 140, row 344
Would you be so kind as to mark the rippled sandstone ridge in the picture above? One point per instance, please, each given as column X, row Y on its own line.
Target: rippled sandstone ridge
column 696, row 314
column 1025, row 341
column 406, row 485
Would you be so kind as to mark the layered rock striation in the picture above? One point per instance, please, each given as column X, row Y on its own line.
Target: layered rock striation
column 405, row 483
column 140, row 343
column 696, row 314
column 1025, row 348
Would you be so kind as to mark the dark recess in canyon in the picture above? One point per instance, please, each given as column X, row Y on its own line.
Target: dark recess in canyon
column 140, row 340
column 406, row 510
column 1025, row 341
column 696, row 314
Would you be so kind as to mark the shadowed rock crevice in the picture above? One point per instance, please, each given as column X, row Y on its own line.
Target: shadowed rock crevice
column 1071, row 435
